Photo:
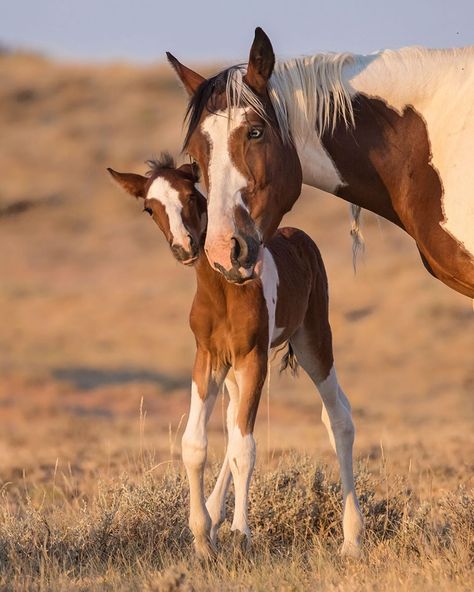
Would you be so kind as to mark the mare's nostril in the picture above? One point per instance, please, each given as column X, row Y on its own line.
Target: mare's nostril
column 239, row 251
column 235, row 250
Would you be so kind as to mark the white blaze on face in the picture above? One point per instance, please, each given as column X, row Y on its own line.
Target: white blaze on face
column 225, row 185
column 162, row 191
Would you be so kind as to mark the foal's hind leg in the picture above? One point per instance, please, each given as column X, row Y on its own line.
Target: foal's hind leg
column 216, row 502
column 337, row 417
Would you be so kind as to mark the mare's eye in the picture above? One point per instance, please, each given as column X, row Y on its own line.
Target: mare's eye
column 255, row 133
column 148, row 211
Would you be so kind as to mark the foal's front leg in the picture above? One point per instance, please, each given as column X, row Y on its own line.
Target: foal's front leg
column 205, row 387
column 216, row 502
column 250, row 374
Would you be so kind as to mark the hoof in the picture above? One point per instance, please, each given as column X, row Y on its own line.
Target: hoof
column 351, row 550
column 205, row 549
column 241, row 541
column 213, row 532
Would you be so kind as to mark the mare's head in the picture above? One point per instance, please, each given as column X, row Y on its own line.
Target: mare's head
column 172, row 200
column 251, row 172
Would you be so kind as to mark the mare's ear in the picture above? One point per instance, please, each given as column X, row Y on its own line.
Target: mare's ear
column 261, row 62
column 190, row 79
column 132, row 183
column 191, row 170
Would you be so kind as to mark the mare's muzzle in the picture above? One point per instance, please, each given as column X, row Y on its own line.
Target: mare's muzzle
column 244, row 253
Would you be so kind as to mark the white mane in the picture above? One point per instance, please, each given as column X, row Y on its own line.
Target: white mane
column 309, row 93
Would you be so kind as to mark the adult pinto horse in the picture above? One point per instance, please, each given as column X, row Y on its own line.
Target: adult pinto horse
column 392, row 132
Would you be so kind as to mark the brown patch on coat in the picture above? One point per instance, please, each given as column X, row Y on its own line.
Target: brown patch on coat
column 386, row 163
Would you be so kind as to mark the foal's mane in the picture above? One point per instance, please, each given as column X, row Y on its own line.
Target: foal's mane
column 307, row 93
column 157, row 164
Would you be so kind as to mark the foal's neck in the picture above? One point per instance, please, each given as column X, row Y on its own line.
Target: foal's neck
column 211, row 281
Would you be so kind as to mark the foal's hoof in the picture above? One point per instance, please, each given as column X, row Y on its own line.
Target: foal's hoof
column 351, row 550
column 204, row 548
column 213, row 534
column 241, row 542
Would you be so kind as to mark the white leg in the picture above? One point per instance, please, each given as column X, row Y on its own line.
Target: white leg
column 242, row 461
column 336, row 416
column 216, row 502
column 242, row 451
column 194, row 451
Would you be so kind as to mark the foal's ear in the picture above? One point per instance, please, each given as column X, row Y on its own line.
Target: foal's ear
column 190, row 79
column 261, row 62
column 191, row 170
column 132, row 183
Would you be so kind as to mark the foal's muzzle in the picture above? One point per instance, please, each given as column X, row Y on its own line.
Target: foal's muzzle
column 186, row 256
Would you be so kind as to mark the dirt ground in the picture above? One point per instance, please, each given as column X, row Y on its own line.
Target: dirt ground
column 95, row 349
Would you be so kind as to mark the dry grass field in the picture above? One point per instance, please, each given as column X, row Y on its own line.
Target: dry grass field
column 95, row 359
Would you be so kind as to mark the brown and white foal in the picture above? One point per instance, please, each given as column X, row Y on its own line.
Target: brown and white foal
column 235, row 327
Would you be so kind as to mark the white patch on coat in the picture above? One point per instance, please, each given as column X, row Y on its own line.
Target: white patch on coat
column 241, row 454
column 194, row 441
column 317, row 166
column 225, row 185
column 277, row 333
column 162, row 191
column 270, row 281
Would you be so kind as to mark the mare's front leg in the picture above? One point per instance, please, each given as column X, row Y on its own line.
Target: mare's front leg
column 216, row 502
column 250, row 373
column 207, row 381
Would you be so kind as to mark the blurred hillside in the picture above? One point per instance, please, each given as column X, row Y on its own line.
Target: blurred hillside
column 94, row 309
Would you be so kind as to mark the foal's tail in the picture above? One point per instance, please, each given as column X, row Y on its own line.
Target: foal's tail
column 289, row 361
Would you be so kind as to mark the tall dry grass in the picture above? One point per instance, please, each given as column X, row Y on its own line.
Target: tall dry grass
column 93, row 318
column 131, row 534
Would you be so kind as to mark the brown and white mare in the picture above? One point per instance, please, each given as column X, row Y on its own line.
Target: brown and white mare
column 392, row 132
column 235, row 327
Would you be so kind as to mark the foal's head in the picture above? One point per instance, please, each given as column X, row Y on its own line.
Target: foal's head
column 252, row 174
column 172, row 200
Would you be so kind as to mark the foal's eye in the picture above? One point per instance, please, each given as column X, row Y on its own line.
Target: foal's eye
column 148, row 211
column 255, row 133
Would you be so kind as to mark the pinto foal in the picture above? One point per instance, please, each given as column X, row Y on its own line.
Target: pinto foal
column 235, row 327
